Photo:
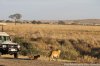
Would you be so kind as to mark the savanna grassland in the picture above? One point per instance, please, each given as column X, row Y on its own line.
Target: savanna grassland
column 77, row 42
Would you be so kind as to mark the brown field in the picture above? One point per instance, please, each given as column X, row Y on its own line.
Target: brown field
column 56, row 31
column 87, row 33
column 91, row 34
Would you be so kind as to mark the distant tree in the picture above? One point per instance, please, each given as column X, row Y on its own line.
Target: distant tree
column 33, row 22
column 8, row 21
column 1, row 20
column 39, row 22
column 61, row 22
column 74, row 23
column 16, row 17
column 36, row 22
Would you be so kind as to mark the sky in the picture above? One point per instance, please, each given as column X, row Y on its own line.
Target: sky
column 51, row 9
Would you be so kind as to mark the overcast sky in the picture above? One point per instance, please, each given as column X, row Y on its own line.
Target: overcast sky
column 51, row 9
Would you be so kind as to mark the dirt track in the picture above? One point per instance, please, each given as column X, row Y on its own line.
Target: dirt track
column 27, row 62
column 8, row 61
column 23, row 62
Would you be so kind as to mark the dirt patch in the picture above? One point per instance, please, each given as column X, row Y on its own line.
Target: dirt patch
column 24, row 61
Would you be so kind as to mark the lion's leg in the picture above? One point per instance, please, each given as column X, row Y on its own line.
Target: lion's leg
column 57, row 58
column 51, row 58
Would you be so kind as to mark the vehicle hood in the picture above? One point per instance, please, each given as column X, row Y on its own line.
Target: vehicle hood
column 9, row 42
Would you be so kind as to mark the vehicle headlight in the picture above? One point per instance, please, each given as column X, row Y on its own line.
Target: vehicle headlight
column 18, row 46
column 4, row 46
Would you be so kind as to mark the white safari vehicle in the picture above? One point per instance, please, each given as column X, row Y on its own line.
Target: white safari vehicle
column 7, row 46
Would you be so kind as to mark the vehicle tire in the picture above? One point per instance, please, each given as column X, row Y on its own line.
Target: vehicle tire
column 15, row 55
column 0, row 54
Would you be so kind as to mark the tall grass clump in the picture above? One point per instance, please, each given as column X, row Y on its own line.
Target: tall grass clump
column 68, row 50
column 26, row 46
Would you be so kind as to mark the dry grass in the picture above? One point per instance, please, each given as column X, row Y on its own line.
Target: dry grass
column 90, row 35
column 56, row 31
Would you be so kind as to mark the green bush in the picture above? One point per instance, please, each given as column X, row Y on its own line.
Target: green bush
column 26, row 47
column 68, row 50
column 69, row 54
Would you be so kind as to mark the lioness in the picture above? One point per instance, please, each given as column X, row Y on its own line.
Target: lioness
column 54, row 54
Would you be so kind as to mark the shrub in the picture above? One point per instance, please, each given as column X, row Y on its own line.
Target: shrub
column 69, row 54
column 26, row 47
column 68, row 51
column 61, row 22
column 87, row 59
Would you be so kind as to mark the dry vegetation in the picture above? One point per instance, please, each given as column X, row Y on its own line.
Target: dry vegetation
column 75, row 41
column 56, row 31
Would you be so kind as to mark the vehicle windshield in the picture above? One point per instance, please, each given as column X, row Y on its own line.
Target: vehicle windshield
column 5, row 38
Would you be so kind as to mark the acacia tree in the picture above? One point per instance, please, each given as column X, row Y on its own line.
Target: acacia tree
column 16, row 17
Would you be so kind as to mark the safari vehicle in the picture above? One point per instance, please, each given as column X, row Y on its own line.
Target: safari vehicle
column 7, row 46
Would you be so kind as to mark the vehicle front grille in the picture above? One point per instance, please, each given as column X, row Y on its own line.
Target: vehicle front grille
column 12, row 46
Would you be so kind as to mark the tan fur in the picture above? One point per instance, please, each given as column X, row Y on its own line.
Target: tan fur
column 55, row 54
column 30, row 57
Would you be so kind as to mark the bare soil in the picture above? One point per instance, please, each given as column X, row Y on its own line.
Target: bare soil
column 10, row 61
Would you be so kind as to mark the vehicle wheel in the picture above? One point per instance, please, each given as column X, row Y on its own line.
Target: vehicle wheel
column 0, row 54
column 15, row 55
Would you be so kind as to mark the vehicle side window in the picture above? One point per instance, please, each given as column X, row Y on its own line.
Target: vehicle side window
column 0, row 39
column 4, row 38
